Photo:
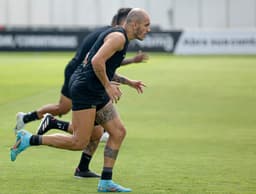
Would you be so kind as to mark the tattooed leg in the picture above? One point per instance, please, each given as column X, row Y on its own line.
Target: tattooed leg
column 91, row 147
column 82, row 169
column 106, row 114
column 110, row 153
column 109, row 119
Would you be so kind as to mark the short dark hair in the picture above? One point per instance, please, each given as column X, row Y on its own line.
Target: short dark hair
column 114, row 22
column 122, row 14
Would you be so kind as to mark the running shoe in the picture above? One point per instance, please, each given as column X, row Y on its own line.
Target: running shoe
column 45, row 124
column 85, row 174
column 110, row 186
column 22, row 143
column 19, row 122
column 104, row 137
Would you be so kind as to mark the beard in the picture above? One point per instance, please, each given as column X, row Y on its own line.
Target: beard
column 139, row 34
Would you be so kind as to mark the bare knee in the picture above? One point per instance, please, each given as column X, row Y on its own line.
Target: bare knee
column 97, row 133
column 54, row 109
column 78, row 143
column 122, row 132
column 119, row 133
column 63, row 109
column 64, row 105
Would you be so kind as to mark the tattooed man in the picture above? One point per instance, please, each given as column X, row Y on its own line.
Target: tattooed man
column 91, row 90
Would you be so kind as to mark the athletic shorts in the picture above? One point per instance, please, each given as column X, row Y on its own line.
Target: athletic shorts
column 64, row 89
column 84, row 95
column 69, row 70
column 83, row 100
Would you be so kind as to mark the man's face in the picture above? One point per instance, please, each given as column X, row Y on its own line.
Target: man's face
column 142, row 28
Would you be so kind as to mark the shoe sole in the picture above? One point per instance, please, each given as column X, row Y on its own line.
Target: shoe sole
column 85, row 177
column 22, row 135
column 16, row 144
column 82, row 177
column 14, row 147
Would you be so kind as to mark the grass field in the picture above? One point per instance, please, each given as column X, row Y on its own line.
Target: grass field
column 193, row 130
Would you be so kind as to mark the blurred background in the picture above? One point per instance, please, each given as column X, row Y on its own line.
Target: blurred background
column 178, row 26
column 165, row 14
column 193, row 129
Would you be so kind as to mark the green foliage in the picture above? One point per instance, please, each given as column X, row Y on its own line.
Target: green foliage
column 191, row 131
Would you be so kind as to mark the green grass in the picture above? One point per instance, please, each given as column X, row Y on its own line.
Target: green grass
column 192, row 131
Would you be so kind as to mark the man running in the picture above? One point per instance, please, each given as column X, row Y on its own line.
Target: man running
column 91, row 90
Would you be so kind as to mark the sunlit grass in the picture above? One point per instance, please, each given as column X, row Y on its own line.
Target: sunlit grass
column 192, row 131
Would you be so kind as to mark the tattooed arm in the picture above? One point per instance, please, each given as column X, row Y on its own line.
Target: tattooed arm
column 138, row 85
column 138, row 58
column 121, row 79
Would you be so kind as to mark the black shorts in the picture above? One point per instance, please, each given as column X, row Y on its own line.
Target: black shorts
column 81, row 102
column 64, row 89
column 84, row 98
column 81, row 105
column 69, row 70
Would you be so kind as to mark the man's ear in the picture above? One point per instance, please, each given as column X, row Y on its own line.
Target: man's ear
column 134, row 25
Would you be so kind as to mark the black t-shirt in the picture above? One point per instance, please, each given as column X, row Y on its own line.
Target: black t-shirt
column 111, row 64
column 84, row 48
column 85, row 88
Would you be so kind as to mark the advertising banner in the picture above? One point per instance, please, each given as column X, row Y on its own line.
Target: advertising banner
column 40, row 40
column 157, row 41
column 216, row 42
column 188, row 42
column 70, row 40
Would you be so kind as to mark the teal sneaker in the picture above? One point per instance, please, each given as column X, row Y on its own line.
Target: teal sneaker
column 22, row 142
column 110, row 186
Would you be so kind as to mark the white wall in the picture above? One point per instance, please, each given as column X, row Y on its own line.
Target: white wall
column 163, row 13
column 18, row 12
column 186, row 13
column 168, row 14
column 3, row 12
column 40, row 13
column 214, row 14
column 242, row 13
